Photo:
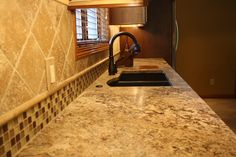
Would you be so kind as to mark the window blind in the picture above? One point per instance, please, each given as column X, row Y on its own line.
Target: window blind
column 91, row 25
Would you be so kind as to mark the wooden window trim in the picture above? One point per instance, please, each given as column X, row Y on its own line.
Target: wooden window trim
column 89, row 50
column 92, row 47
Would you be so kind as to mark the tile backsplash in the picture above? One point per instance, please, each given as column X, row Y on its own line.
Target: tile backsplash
column 30, row 32
column 20, row 130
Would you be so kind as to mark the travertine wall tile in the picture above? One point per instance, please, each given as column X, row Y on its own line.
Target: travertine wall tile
column 29, row 9
column 97, row 57
column 55, row 11
column 31, row 64
column 43, row 83
column 71, row 54
column 68, row 71
column 81, row 64
column 85, row 62
column 16, row 94
column 13, row 30
column 60, row 56
column 43, row 30
column 66, row 30
column 5, row 74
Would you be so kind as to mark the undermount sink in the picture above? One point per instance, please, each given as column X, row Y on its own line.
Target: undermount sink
column 140, row 78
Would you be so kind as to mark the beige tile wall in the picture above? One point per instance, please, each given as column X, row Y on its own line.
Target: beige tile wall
column 31, row 31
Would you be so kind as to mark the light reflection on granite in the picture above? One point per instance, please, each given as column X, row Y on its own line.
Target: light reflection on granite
column 136, row 122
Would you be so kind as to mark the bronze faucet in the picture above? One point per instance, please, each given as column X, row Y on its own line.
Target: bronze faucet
column 134, row 49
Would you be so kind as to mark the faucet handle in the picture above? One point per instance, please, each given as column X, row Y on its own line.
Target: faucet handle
column 135, row 49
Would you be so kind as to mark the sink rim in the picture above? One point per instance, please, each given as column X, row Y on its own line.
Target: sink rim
column 118, row 82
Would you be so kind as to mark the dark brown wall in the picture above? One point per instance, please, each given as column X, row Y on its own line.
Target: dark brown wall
column 207, row 46
column 155, row 37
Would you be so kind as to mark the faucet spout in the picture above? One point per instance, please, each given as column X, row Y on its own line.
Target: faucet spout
column 112, row 70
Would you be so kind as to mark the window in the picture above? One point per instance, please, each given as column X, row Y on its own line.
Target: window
column 91, row 30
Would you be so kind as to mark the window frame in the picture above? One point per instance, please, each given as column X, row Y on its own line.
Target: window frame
column 89, row 47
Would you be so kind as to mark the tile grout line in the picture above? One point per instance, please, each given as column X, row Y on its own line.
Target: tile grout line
column 41, row 51
column 60, row 38
column 68, row 51
column 56, row 32
column 66, row 58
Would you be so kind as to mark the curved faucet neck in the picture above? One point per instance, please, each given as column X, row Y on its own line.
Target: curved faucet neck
column 112, row 66
column 117, row 35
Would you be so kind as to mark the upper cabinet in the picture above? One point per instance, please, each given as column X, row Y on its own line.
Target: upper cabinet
column 136, row 16
column 105, row 3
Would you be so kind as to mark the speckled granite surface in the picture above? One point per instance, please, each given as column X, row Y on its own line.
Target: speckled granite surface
column 136, row 122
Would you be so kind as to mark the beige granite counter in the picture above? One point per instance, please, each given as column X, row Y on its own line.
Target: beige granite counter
column 136, row 122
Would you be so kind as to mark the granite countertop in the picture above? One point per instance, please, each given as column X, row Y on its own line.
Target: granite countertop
column 136, row 122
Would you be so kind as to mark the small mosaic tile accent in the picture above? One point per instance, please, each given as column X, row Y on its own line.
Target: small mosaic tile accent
column 21, row 129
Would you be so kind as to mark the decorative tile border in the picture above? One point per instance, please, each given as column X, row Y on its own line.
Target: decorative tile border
column 18, row 131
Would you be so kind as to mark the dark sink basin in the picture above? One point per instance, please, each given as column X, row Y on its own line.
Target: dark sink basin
column 140, row 78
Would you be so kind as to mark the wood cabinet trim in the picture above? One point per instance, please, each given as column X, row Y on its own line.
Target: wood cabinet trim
column 103, row 4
